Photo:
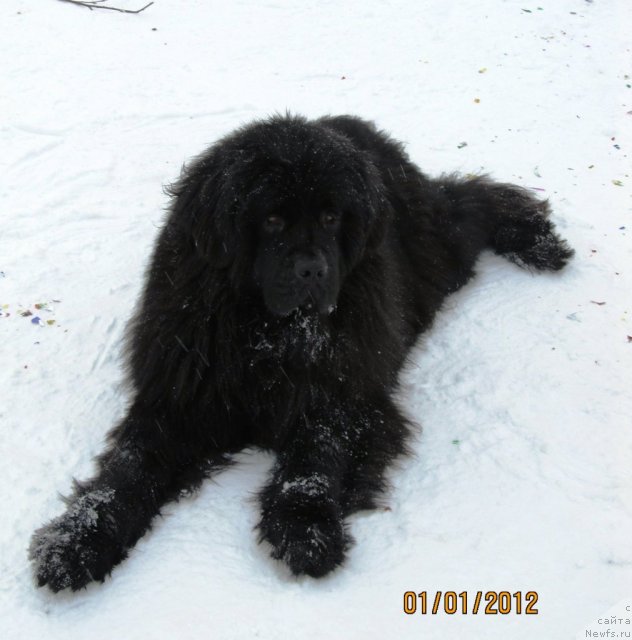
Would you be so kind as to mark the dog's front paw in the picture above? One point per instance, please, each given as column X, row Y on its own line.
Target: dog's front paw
column 77, row 547
column 310, row 539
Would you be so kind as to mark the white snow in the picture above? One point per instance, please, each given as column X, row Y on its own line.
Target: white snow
column 311, row 485
column 522, row 477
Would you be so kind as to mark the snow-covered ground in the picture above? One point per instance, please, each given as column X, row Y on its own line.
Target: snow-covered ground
column 522, row 476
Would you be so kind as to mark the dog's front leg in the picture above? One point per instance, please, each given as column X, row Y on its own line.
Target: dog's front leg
column 149, row 461
column 301, row 512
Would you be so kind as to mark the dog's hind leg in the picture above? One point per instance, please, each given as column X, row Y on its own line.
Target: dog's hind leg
column 504, row 217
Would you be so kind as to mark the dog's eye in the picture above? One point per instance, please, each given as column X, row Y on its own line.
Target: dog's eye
column 274, row 223
column 329, row 219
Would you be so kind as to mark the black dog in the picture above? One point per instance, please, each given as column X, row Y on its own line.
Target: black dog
column 298, row 264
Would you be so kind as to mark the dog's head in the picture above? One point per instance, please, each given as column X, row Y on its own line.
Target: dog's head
column 287, row 207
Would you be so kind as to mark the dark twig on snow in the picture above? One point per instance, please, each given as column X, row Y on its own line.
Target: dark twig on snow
column 98, row 4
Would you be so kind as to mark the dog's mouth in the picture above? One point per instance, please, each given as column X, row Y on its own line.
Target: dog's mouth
column 317, row 309
column 314, row 304
column 305, row 300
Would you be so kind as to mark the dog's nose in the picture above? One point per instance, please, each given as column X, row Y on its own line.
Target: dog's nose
column 309, row 269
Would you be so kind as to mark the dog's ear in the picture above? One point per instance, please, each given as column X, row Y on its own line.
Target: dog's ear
column 202, row 206
column 373, row 212
column 380, row 220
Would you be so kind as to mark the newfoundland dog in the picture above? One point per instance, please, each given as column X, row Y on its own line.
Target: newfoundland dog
column 298, row 263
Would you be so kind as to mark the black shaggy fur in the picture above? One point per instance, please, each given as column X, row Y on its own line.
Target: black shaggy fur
column 299, row 262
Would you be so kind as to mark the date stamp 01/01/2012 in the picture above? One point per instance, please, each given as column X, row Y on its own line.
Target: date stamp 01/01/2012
column 479, row 602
